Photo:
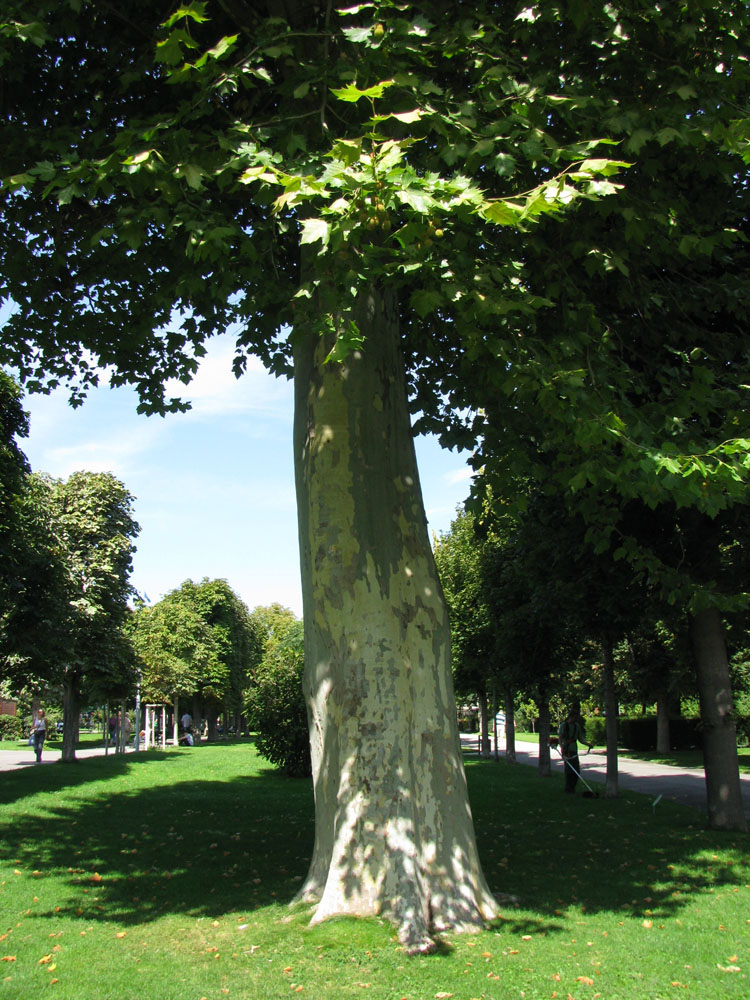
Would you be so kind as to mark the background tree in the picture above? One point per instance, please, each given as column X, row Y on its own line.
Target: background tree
column 628, row 389
column 94, row 526
column 31, row 579
column 199, row 643
column 275, row 700
column 458, row 555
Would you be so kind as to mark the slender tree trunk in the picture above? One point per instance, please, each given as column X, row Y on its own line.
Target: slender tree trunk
column 510, row 727
column 611, row 713
column 393, row 828
column 70, row 714
column 485, row 750
column 723, row 789
column 544, row 768
column 663, row 740
column 212, row 716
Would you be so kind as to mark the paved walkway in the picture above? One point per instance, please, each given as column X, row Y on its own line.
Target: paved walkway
column 684, row 785
column 11, row 760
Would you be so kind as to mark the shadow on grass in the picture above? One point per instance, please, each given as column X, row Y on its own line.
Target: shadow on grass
column 205, row 840
column 194, row 845
column 548, row 851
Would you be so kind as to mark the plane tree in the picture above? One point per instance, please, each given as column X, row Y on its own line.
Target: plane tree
column 341, row 174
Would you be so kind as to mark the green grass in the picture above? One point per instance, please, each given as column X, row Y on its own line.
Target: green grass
column 167, row 876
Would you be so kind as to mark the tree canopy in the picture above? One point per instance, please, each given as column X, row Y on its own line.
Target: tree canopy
column 358, row 192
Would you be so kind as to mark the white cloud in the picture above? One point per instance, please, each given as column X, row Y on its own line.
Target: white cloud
column 459, row 476
column 215, row 392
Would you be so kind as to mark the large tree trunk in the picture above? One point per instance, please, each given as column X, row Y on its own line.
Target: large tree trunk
column 393, row 828
column 723, row 789
column 611, row 712
column 70, row 715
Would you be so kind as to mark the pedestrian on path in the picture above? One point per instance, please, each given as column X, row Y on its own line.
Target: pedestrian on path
column 39, row 733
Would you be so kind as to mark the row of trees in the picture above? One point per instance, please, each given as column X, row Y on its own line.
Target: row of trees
column 66, row 550
column 537, row 613
column 393, row 183
column 67, row 624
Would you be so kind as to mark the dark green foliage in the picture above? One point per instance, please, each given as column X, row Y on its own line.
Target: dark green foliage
column 596, row 730
column 11, row 727
column 640, row 734
column 276, row 706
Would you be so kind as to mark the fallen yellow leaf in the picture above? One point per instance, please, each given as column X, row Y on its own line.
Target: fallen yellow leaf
column 585, row 980
column 45, row 959
column 121, row 934
column 8, row 958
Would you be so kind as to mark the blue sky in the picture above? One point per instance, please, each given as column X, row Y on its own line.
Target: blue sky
column 214, row 487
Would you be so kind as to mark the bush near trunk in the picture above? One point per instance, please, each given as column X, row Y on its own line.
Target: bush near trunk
column 275, row 705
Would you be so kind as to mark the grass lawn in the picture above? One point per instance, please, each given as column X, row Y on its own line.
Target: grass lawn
column 167, row 876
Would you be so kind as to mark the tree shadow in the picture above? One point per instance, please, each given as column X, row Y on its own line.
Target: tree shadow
column 209, row 846
column 200, row 847
column 552, row 851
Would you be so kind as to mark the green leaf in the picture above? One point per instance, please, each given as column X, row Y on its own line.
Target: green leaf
column 501, row 213
column 408, row 117
column 426, row 300
column 194, row 11
column 314, row 230
column 348, row 339
column 192, row 173
column 352, row 93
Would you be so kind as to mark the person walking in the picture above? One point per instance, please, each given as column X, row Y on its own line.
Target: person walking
column 39, row 733
column 570, row 732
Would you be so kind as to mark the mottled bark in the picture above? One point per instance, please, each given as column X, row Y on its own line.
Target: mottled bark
column 393, row 828
column 723, row 790
column 611, row 713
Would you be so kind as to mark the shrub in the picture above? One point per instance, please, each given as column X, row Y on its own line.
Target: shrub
column 640, row 733
column 743, row 730
column 596, row 731
column 11, row 727
column 275, row 704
